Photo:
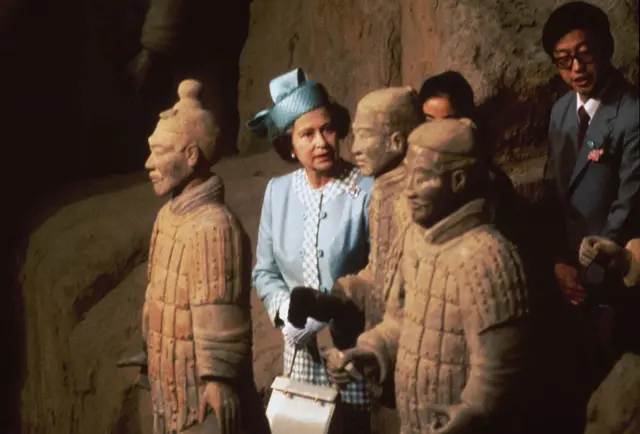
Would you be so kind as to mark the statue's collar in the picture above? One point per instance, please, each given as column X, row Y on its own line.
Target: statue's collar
column 212, row 190
column 466, row 217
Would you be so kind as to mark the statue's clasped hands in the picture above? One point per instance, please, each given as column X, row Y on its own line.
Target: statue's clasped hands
column 224, row 402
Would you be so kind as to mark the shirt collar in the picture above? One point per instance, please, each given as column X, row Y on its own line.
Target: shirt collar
column 346, row 182
column 591, row 106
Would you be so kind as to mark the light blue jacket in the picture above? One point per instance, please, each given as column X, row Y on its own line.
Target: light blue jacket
column 343, row 240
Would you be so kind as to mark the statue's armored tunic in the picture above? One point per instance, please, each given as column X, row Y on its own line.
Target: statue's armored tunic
column 455, row 281
column 196, row 317
column 388, row 216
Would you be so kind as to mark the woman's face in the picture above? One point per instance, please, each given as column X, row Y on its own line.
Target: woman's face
column 437, row 107
column 314, row 140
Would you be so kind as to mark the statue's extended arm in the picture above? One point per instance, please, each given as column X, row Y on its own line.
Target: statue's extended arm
column 382, row 340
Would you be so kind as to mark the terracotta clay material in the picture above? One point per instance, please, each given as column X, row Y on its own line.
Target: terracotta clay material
column 196, row 316
column 383, row 121
column 382, row 124
column 455, row 326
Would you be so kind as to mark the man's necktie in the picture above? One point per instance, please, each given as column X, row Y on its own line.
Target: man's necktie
column 583, row 124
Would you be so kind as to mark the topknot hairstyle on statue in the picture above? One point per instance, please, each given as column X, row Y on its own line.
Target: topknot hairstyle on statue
column 187, row 117
column 578, row 15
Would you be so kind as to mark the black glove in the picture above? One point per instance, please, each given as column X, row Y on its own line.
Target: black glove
column 308, row 302
column 302, row 305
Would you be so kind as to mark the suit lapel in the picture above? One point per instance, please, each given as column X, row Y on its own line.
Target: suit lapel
column 599, row 129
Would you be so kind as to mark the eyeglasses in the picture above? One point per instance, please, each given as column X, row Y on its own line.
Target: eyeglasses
column 566, row 62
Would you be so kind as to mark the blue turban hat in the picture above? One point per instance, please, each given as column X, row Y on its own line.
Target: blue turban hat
column 293, row 95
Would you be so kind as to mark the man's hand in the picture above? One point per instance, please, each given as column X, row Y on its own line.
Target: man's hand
column 605, row 253
column 567, row 278
column 456, row 419
column 224, row 401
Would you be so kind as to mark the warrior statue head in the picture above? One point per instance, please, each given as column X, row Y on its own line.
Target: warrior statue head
column 445, row 169
column 382, row 124
column 183, row 145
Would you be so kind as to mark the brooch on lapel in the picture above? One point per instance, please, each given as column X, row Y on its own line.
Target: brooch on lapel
column 596, row 153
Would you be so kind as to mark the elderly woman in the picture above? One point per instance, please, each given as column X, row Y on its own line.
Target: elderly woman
column 313, row 226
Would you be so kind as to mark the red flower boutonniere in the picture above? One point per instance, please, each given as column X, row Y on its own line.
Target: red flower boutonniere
column 595, row 155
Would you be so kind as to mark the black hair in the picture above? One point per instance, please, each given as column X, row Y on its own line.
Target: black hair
column 455, row 87
column 578, row 15
column 340, row 118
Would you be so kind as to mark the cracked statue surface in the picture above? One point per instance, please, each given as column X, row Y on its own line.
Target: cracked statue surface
column 196, row 320
column 455, row 332
column 383, row 121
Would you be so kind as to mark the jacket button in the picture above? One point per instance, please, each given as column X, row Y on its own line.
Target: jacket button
column 320, row 253
column 304, row 216
column 323, row 215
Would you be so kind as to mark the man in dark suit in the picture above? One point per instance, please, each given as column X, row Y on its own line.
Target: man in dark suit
column 592, row 175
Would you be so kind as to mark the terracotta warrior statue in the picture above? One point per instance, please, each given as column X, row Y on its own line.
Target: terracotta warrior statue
column 383, row 120
column 455, row 329
column 196, row 320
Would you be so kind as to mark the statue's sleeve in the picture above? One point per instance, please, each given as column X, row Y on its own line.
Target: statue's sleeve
column 632, row 279
column 219, row 298
column 494, row 308
column 163, row 24
column 383, row 339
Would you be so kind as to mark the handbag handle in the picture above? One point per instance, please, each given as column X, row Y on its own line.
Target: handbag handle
column 293, row 360
column 323, row 339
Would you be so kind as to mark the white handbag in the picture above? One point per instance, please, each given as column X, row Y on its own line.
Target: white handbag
column 297, row 407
